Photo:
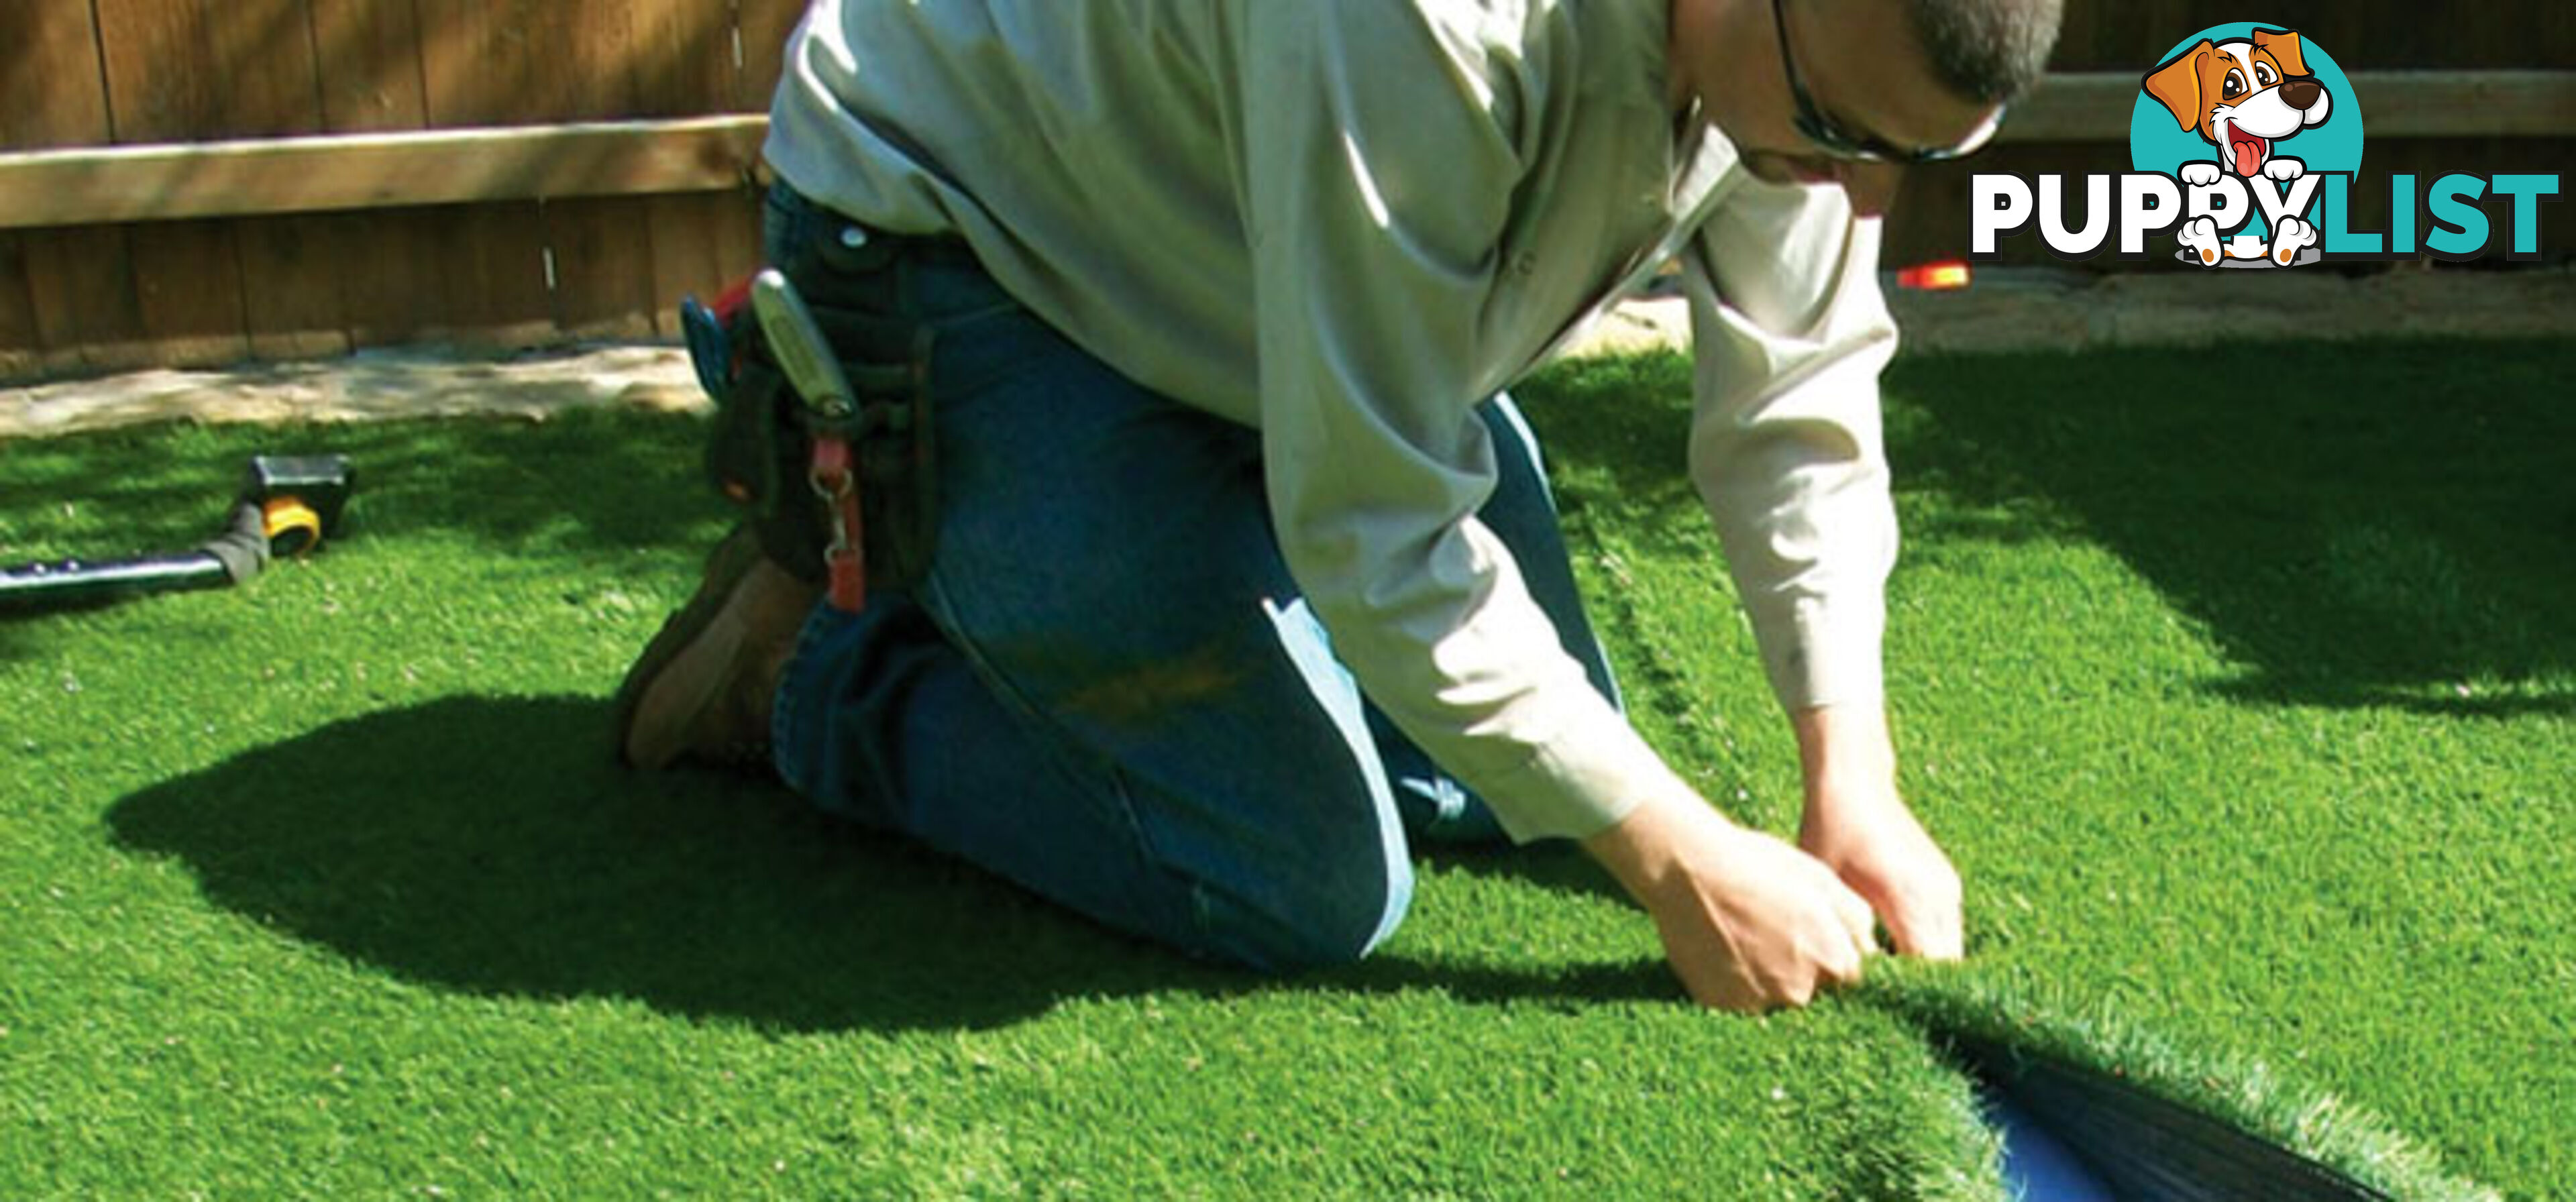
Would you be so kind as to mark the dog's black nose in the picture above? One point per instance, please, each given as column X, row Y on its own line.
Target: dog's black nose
column 2301, row 94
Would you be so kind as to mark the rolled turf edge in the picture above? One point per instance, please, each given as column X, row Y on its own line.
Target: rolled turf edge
column 2000, row 1027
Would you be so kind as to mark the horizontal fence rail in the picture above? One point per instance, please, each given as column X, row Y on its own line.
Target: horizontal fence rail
column 101, row 185
column 634, row 158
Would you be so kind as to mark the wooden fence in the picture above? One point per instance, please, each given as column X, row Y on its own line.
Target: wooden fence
column 188, row 182
column 533, row 268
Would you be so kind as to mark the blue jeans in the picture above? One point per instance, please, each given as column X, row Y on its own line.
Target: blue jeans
column 1107, row 689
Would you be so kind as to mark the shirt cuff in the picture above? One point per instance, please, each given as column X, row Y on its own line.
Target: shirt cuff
column 1584, row 781
column 1818, row 653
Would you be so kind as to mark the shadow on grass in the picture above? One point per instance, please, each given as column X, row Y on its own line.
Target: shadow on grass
column 2386, row 524
column 14, row 645
column 2381, row 524
column 1558, row 866
column 486, row 845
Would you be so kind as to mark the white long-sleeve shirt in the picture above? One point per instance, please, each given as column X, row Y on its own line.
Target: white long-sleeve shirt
column 1348, row 222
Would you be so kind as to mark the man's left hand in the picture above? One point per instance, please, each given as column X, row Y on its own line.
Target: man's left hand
column 1861, row 828
column 1879, row 850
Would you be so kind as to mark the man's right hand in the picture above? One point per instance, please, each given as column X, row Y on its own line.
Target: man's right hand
column 1748, row 921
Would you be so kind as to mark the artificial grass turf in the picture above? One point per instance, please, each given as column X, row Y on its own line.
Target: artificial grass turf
column 2248, row 723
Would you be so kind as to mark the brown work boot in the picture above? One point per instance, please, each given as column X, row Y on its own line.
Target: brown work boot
column 701, row 691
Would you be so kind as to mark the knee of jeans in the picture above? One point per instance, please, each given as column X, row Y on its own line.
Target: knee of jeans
column 1329, row 928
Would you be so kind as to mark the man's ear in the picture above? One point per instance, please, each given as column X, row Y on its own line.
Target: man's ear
column 2284, row 47
column 2177, row 84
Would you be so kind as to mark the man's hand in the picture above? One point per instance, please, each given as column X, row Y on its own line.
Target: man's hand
column 1856, row 823
column 1747, row 921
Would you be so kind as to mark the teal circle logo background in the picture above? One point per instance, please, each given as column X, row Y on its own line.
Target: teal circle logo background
column 2157, row 144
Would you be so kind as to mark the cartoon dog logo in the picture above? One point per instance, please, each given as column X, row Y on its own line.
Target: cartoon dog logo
column 2243, row 96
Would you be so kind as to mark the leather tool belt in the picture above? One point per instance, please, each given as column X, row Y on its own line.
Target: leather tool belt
column 793, row 465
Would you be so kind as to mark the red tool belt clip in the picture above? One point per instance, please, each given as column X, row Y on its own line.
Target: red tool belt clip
column 845, row 560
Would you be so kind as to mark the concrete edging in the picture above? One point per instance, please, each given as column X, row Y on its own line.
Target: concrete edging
column 2008, row 309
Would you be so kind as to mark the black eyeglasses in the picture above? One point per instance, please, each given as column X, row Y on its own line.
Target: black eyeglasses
column 1840, row 143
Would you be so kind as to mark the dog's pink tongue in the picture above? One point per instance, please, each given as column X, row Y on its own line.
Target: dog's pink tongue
column 2249, row 154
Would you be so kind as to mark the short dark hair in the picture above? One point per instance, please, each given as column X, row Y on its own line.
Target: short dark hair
column 1989, row 51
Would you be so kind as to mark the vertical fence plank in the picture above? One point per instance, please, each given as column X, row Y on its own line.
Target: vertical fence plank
column 492, row 277
column 701, row 243
column 368, row 55
column 266, row 53
column 388, row 262
column 765, row 25
column 738, row 249
column 291, row 296
column 49, row 89
column 520, row 61
column 391, row 265
column 163, row 85
column 759, row 46
column 601, row 248
column 486, row 62
column 87, row 317
column 685, row 64
column 75, row 282
column 682, row 59
column 22, row 346
column 603, row 266
column 188, row 292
